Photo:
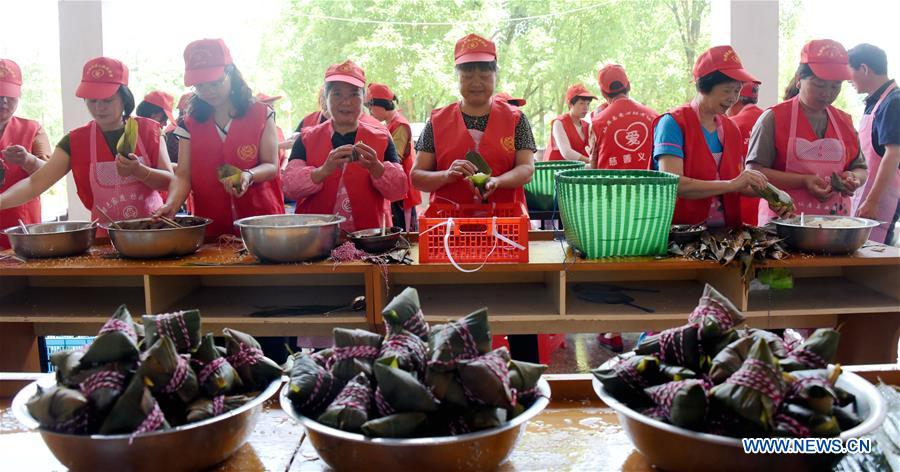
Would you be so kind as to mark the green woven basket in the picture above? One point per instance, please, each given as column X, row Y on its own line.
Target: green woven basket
column 617, row 212
column 540, row 193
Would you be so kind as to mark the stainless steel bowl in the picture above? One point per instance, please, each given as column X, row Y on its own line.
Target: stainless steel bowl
column 483, row 450
column 672, row 448
column 159, row 240
column 290, row 238
column 685, row 234
column 824, row 240
column 371, row 240
column 58, row 239
column 194, row 446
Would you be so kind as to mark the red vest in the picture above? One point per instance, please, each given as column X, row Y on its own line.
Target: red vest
column 782, row 113
column 699, row 164
column 624, row 136
column 366, row 201
column 407, row 159
column 577, row 143
column 22, row 132
column 745, row 119
column 240, row 149
column 498, row 147
column 311, row 120
column 80, row 158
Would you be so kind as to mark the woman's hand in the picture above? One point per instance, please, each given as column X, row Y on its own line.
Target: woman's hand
column 818, row 187
column 460, row 168
column 851, row 182
column 168, row 210
column 336, row 158
column 130, row 166
column 17, row 155
column 368, row 160
column 748, row 179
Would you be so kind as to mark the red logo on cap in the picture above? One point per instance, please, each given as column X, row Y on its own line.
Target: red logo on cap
column 4, row 72
column 473, row 42
column 200, row 57
column 828, row 50
column 731, row 56
column 247, row 152
column 345, row 67
column 97, row 71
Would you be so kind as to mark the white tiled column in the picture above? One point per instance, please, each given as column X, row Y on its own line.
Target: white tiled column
column 80, row 38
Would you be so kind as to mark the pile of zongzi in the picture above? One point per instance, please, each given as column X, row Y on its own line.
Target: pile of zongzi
column 710, row 376
column 416, row 381
column 137, row 378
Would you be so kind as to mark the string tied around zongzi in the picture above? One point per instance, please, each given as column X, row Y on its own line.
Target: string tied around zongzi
column 246, row 355
column 351, row 352
column 710, row 308
column 672, row 338
column 176, row 381
column 791, row 425
column 164, row 325
column 110, row 379
column 383, row 407
column 355, row 396
column 208, row 368
column 805, row 356
column 469, row 346
column 800, row 384
column 629, row 374
column 118, row 325
column 416, row 323
column 218, row 405
column 151, row 423
column 758, row 375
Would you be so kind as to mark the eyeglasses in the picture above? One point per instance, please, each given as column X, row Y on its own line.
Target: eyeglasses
column 212, row 85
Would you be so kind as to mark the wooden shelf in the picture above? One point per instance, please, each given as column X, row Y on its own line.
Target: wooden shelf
column 448, row 302
column 54, row 304
column 821, row 296
column 676, row 299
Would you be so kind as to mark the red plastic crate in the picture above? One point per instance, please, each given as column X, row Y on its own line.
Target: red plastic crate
column 472, row 239
column 547, row 345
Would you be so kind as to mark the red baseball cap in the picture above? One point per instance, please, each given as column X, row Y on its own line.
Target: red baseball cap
column 162, row 100
column 380, row 92
column 348, row 72
column 612, row 73
column 205, row 61
column 184, row 100
column 101, row 78
column 827, row 59
column 10, row 79
column 474, row 48
column 578, row 90
column 750, row 90
column 267, row 98
column 517, row 102
column 723, row 59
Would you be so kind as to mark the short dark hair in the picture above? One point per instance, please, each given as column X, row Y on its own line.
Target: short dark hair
column 146, row 109
column 803, row 72
column 706, row 83
column 386, row 104
column 240, row 95
column 576, row 98
column 870, row 55
column 748, row 100
column 127, row 100
column 490, row 66
column 616, row 85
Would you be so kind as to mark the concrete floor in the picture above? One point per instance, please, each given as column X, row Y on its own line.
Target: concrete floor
column 583, row 352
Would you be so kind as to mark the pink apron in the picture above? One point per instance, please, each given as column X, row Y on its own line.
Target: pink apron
column 122, row 198
column 888, row 203
column 821, row 157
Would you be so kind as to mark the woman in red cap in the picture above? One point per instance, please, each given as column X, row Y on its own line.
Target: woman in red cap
column 802, row 142
column 381, row 103
column 516, row 102
column 317, row 117
column 569, row 131
column 494, row 128
column 23, row 149
column 225, row 125
column 157, row 105
column 699, row 143
column 620, row 132
column 346, row 165
column 124, row 187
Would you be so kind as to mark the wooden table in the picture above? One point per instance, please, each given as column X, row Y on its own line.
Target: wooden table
column 76, row 295
column 576, row 432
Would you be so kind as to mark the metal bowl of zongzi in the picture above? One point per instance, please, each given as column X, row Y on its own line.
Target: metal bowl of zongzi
column 58, row 239
column 828, row 234
column 195, row 446
column 290, row 238
column 145, row 239
column 482, row 450
column 670, row 447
